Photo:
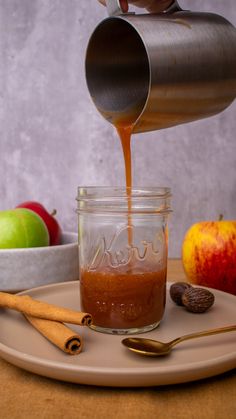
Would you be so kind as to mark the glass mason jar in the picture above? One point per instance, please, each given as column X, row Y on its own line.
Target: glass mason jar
column 123, row 243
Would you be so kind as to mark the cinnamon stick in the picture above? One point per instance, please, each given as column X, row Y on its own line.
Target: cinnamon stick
column 27, row 305
column 57, row 333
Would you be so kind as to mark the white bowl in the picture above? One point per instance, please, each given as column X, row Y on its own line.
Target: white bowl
column 22, row 269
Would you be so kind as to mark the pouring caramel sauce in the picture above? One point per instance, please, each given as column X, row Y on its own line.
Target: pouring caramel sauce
column 131, row 295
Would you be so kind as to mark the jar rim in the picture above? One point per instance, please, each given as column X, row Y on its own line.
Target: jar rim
column 93, row 192
column 104, row 199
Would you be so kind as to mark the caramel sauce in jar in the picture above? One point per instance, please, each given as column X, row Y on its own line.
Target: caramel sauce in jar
column 124, row 298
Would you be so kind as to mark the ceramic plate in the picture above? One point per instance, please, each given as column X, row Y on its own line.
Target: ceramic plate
column 105, row 362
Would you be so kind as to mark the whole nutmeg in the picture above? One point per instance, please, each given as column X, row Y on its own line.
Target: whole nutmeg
column 176, row 291
column 197, row 300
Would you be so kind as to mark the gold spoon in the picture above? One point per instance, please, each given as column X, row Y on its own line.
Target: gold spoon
column 152, row 347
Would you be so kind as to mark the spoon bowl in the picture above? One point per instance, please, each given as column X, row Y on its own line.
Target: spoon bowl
column 150, row 347
column 147, row 347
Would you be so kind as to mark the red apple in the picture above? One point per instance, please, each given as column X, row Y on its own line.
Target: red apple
column 53, row 226
column 209, row 254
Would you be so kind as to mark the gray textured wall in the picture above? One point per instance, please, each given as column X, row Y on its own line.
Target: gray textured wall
column 53, row 139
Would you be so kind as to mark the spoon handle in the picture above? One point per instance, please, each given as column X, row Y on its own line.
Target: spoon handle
column 203, row 333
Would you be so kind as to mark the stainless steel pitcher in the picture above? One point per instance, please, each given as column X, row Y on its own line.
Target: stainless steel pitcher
column 159, row 70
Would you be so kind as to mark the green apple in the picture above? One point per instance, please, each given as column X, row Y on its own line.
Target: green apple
column 21, row 228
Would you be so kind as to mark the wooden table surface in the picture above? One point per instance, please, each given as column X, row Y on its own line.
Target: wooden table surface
column 24, row 395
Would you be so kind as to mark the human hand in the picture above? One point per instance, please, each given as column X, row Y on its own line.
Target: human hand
column 153, row 6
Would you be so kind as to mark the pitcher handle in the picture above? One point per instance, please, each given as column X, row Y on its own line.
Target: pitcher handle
column 114, row 8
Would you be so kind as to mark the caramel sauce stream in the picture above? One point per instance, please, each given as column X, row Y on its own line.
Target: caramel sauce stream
column 125, row 133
